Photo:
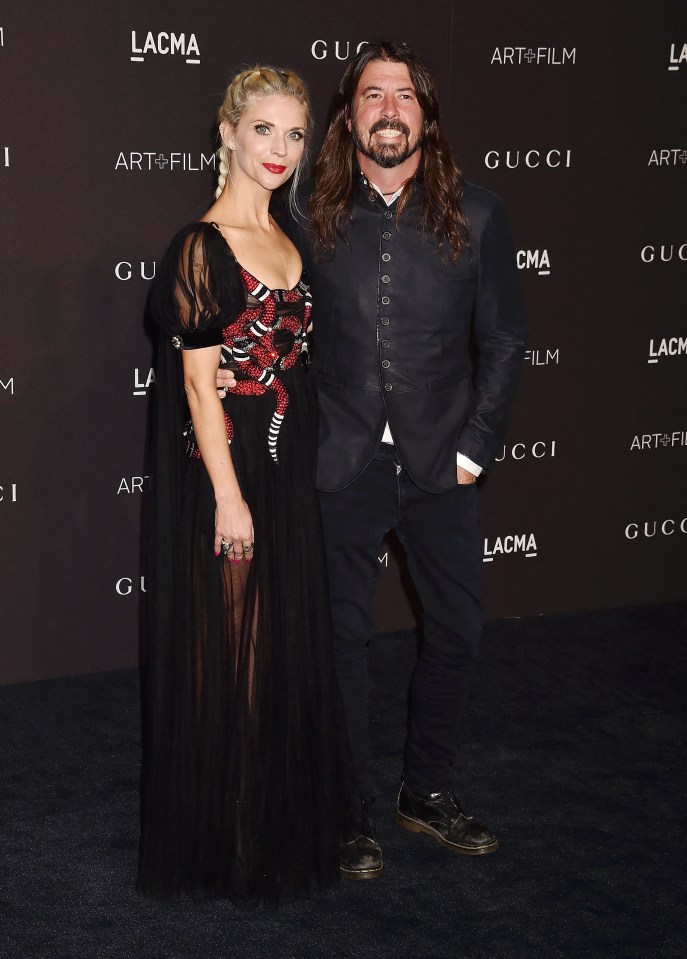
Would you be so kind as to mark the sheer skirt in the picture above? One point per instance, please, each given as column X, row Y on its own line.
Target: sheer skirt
column 243, row 780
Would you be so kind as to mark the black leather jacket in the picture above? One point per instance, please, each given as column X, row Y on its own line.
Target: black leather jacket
column 392, row 326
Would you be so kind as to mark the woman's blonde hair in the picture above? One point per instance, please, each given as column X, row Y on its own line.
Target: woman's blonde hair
column 253, row 84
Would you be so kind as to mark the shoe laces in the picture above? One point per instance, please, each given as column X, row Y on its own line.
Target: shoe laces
column 453, row 807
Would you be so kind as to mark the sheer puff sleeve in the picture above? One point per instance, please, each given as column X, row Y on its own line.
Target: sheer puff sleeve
column 197, row 290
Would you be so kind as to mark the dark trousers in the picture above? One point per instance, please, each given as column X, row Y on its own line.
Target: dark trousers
column 442, row 537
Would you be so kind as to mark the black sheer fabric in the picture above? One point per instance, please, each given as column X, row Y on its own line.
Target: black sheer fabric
column 242, row 789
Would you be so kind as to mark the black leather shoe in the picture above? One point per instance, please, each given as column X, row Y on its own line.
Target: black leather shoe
column 440, row 815
column 361, row 856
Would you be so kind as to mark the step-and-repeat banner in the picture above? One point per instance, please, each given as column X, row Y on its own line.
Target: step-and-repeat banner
column 574, row 114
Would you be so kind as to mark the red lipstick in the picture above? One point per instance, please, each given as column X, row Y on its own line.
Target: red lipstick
column 274, row 167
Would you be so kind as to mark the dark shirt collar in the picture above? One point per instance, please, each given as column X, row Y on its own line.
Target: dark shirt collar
column 367, row 191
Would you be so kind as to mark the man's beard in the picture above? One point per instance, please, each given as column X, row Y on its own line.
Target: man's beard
column 387, row 155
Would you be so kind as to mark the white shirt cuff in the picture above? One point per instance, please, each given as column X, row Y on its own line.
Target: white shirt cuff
column 468, row 464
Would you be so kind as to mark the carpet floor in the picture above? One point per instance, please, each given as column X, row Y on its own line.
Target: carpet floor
column 572, row 750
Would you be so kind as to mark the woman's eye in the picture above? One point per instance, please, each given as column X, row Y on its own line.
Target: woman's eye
column 261, row 128
column 296, row 135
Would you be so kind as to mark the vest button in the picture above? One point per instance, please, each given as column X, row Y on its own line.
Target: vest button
column 385, row 364
column 384, row 320
column 386, row 257
column 388, row 215
column 386, row 300
column 386, row 278
column 386, row 236
column 373, row 196
column 388, row 387
column 385, row 343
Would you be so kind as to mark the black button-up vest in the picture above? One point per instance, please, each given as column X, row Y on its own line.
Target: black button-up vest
column 392, row 321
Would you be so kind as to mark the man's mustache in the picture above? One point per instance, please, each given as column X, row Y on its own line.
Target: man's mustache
column 390, row 125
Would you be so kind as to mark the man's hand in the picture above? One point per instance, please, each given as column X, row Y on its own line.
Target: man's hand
column 225, row 381
column 465, row 477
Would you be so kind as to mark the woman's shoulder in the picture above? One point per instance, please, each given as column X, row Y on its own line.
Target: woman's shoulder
column 196, row 273
column 198, row 246
column 196, row 232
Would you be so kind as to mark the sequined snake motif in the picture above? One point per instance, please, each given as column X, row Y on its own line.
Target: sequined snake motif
column 249, row 343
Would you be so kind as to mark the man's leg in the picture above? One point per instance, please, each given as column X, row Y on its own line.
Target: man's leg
column 355, row 520
column 442, row 536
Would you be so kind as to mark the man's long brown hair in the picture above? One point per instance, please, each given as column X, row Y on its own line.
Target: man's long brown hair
column 331, row 202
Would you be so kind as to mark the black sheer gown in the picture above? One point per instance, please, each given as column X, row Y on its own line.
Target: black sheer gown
column 242, row 790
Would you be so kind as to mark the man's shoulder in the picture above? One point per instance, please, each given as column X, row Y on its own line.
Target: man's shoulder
column 477, row 202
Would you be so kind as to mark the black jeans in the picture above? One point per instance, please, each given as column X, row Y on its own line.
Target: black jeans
column 442, row 537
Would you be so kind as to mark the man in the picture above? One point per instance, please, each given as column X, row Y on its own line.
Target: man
column 405, row 262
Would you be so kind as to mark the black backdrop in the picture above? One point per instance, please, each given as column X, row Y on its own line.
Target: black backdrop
column 573, row 112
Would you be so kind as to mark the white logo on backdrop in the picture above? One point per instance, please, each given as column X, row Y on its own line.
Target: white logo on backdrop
column 672, row 157
column 521, row 451
column 133, row 484
column 533, row 56
column 657, row 441
column 165, row 44
column 664, row 252
column 341, row 49
column 8, row 494
column 528, row 158
column 125, row 585
column 8, row 385
column 5, row 156
column 656, row 528
column 542, row 357
column 150, row 160
column 678, row 56
column 523, row 543
column 668, row 346
column 534, row 260
column 141, row 385
column 125, row 270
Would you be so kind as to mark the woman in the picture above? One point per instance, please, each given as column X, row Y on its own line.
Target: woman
column 241, row 792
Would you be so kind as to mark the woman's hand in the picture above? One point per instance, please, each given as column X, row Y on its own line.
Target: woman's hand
column 233, row 522
column 225, row 380
column 234, row 526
